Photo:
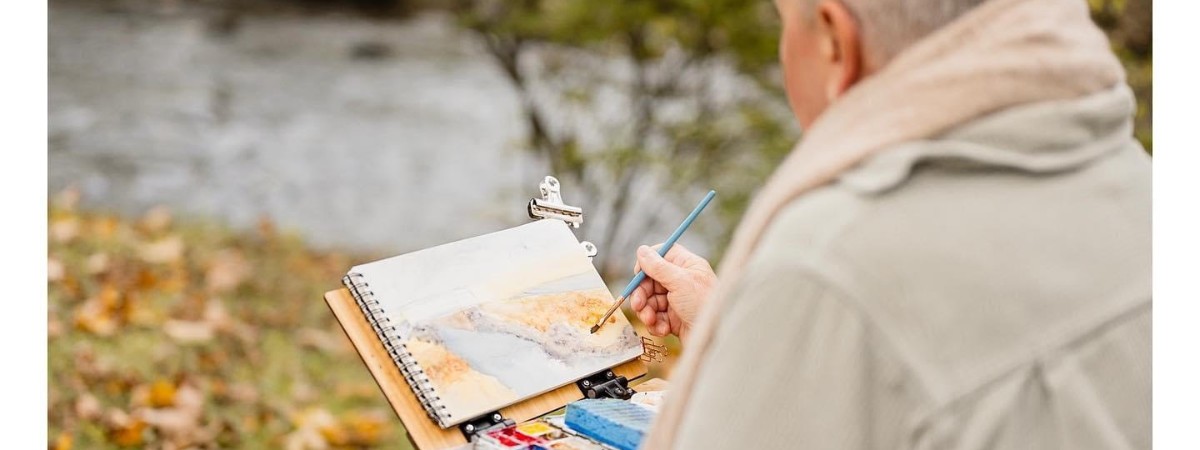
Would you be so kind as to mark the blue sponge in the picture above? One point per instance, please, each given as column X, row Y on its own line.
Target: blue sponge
column 614, row 422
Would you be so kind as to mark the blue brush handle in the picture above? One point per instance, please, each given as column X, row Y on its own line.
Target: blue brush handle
column 666, row 247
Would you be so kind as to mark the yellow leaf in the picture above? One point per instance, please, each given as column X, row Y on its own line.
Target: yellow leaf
column 109, row 297
column 162, row 394
column 124, row 430
column 335, row 434
column 146, row 280
column 94, row 318
column 63, row 442
column 366, row 430
column 106, row 227
column 315, row 428
column 129, row 435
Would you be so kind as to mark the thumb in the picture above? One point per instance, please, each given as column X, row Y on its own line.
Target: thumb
column 669, row 275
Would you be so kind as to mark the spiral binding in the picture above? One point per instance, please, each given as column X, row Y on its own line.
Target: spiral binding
column 417, row 380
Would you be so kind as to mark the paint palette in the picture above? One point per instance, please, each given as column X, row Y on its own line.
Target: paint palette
column 535, row 435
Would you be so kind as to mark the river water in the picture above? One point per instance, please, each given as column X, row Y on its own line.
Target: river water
column 284, row 118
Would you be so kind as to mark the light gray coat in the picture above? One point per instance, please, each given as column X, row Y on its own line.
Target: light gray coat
column 987, row 288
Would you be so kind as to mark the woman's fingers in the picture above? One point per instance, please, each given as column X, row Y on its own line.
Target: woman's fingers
column 669, row 275
column 662, row 325
column 657, row 302
column 647, row 316
column 640, row 294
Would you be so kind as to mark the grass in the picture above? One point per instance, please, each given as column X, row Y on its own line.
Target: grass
column 185, row 334
column 169, row 335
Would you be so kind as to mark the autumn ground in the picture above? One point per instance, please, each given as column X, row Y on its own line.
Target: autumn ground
column 166, row 333
column 169, row 335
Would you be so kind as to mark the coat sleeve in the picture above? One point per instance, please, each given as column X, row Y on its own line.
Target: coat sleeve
column 794, row 365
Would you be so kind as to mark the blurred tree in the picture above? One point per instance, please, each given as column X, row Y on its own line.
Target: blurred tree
column 643, row 96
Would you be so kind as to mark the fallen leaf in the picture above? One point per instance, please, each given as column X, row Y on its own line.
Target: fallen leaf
column 216, row 314
column 87, row 407
column 189, row 332
column 53, row 328
column 71, row 288
column 62, row 442
column 312, row 426
column 175, row 411
column 96, row 264
column 175, row 281
column 228, row 270
column 55, row 270
column 173, row 422
column 357, row 390
column 219, row 317
column 106, row 227
column 335, row 434
column 124, row 430
column 243, row 393
column 109, row 297
column 165, row 250
column 162, row 394
column 321, row 340
column 64, row 230
column 189, row 397
column 157, row 219
column 94, row 318
column 365, row 429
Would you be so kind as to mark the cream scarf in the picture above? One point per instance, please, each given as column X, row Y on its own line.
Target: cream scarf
column 1002, row 53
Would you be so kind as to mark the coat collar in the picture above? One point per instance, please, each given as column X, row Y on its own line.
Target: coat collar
column 1041, row 137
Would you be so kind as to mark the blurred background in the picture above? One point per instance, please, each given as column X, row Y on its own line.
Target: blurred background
column 216, row 165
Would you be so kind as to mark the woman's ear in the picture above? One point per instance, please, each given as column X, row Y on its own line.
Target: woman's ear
column 840, row 47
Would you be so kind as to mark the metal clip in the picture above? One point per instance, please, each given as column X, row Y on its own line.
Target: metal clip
column 485, row 422
column 551, row 205
column 605, row 384
column 589, row 248
column 651, row 351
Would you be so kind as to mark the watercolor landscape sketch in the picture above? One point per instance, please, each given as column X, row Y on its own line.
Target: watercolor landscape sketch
column 502, row 317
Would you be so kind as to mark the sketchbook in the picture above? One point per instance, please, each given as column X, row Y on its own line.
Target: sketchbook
column 486, row 322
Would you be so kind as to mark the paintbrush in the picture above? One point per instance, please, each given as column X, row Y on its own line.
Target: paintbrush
column 641, row 275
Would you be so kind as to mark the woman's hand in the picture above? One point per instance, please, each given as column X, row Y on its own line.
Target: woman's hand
column 676, row 288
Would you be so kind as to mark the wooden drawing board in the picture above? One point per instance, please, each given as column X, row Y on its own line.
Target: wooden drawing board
column 423, row 431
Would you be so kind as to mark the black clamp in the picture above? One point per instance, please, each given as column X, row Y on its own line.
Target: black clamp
column 605, row 384
column 483, row 423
